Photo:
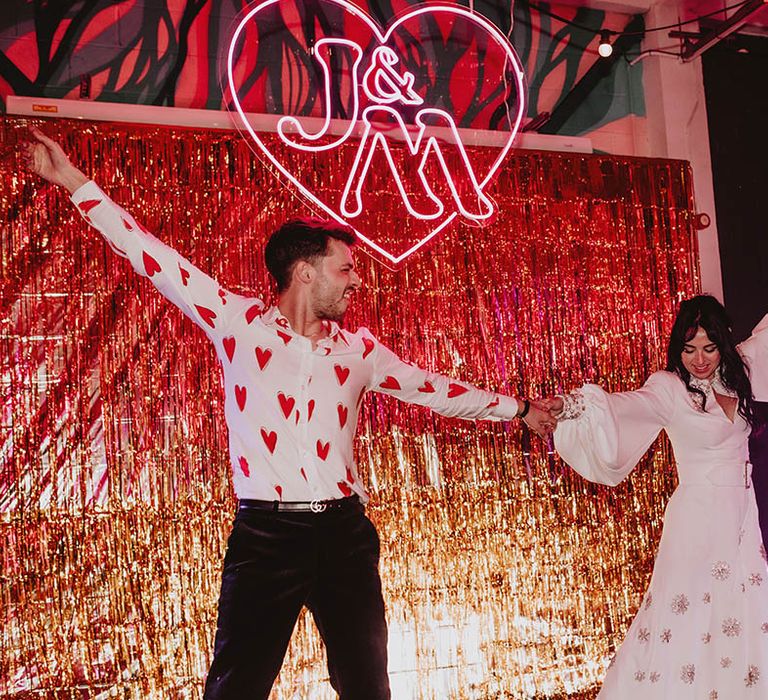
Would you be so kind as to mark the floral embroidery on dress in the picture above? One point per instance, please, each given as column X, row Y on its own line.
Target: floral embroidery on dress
column 731, row 627
column 643, row 634
column 764, row 627
column 679, row 604
column 713, row 695
column 639, row 676
column 707, row 598
column 755, row 580
column 666, row 636
column 725, row 662
column 655, row 677
column 688, row 673
column 753, row 675
column 720, row 570
column 706, row 638
column 648, row 600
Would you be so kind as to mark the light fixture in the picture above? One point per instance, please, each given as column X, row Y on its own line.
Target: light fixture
column 605, row 48
column 702, row 220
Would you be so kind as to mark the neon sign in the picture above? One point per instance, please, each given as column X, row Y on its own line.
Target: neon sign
column 389, row 119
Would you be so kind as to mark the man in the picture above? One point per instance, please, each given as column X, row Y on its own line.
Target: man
column 294, row 382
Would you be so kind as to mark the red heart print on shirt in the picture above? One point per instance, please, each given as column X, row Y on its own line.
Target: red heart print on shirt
column 184, row 275
column 279, row 490
column 310, row 409
column 206, row 314
column 284, row 337
column 455, row 390
column 263, row 356
column 286, row 403
column 252, row 313
column 344, row 488
column 244, row 466
column 229, row 347
column 350, row 476
column 270, row 439
column 343, row 412
column 88, row 204
column 342, row 373
column 322, row 449
column 240, row 396
column 427, row 387
column 369, row 345
column 390, row 383
column 126, row 223
column 493, row 403
column 151, row 266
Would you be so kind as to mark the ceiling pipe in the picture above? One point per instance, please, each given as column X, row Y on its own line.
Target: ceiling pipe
column 722, row 30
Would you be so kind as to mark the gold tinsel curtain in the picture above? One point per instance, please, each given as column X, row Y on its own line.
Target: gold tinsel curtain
column 505, row 575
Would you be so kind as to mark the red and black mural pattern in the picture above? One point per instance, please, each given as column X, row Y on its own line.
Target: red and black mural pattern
column 168, row 52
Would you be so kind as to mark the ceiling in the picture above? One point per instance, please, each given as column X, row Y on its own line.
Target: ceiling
column 758, row 21
column 687, row 10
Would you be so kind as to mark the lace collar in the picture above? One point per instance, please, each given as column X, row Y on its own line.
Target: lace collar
column 712, row 384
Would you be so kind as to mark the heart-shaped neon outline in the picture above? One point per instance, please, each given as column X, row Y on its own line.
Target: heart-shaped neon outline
column 374, row 26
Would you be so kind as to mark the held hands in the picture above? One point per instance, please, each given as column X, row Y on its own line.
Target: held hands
column 540, row 417
column 553, row 405
column 46, row 158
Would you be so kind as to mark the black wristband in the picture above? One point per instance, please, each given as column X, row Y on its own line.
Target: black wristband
column 526, row 408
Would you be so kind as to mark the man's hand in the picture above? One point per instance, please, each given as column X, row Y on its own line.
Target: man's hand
column 540, row 419
column 46, row 158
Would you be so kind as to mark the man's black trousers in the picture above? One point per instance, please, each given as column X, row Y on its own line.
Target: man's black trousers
column 275, row 564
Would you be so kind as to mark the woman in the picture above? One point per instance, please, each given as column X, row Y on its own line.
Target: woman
column 702, row 628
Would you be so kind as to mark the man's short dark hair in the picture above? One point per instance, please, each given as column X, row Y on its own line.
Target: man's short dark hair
column 301, row 239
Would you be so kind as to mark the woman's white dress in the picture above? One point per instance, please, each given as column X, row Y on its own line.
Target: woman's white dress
column 702, row 628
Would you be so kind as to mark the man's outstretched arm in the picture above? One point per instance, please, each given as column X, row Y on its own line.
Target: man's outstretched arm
column 47, row 159
column 450, row 397
column 199, row 296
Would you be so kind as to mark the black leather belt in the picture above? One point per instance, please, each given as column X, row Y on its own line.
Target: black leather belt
column 299, row 506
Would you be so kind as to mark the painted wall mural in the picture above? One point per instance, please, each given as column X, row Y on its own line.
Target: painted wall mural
column 167, row 52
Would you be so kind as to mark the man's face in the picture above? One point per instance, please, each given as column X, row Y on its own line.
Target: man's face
column 335, row 282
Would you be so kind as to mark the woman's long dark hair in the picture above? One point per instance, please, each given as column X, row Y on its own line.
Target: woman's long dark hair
column 706, row 312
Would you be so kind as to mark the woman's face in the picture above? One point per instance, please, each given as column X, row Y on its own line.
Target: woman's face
column 700, row 355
